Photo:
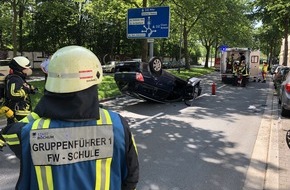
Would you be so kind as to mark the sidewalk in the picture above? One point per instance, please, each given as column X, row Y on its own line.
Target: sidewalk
column 282, row 125
column 270, row 167
column 279, row 152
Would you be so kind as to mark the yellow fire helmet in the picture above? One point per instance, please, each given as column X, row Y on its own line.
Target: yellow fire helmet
column 72, row 69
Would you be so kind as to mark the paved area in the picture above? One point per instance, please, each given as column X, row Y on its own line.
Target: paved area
column 270, row 166
column 282, row 125
column 278, row 165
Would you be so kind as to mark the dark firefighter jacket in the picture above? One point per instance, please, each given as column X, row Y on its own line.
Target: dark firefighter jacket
column 17, row 95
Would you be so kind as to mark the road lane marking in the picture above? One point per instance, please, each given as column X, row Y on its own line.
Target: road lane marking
column 145, row 120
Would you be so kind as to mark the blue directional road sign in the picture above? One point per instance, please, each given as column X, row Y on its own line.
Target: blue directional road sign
column 148, row 22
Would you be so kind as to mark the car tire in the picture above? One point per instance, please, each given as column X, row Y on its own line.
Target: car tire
column 288, row 138
column 284, row 112
column 155, row 65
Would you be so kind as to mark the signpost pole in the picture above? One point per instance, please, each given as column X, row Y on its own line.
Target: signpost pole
column 151, row 47
column 151, row 50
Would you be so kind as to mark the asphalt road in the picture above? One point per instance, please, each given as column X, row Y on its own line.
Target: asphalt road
column 208, row 145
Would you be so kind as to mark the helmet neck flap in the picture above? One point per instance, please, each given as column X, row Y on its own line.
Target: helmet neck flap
column 82, row 105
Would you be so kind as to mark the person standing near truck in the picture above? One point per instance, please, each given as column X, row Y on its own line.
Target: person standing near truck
column 44, row 66
column 264, row 71
column 235, row 73
column 242, row 57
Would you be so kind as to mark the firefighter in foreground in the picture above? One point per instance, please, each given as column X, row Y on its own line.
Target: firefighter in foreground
column 17, row 90
column 68, row 142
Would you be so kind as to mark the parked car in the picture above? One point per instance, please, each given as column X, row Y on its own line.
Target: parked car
column 279, row 77
column 288, row 138
column 277, row 69
column 109, row 67
column 4, row 66
column 166, row 65
column 149, row 81
column 273, row 68
column 4, row 71
column 284, row 96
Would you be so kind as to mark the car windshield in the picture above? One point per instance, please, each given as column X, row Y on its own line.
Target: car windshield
column 110, row 63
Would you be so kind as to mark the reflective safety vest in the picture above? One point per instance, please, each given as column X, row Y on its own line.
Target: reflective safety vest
column 12, row 139
column 265, row 68
column 73, row 155
column 243, row 70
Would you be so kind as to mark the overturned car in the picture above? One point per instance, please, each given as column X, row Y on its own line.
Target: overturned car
column 149, row 81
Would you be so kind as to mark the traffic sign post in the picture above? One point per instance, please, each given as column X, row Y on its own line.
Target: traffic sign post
column 148, row 22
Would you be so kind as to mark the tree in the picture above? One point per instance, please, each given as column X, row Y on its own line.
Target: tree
column 53, row 25
column 18, row 7
column 269, row 37
column 224, row 24
column 277, row 14
column 280, row 11
column 5, row 25
column 189, row 13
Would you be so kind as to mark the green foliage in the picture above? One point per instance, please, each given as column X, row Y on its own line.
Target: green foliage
column 193, row 72
column 100, row 25
column 56, row 24
column 275, row 16
column 108, row 88
column 36, row 97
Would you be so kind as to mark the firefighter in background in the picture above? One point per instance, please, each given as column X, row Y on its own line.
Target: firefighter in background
column 17, row 90
column 242, row 57
column 68, row 142
column 235, row 73
column 264, row 71
column 243, row 73
column 230, row 63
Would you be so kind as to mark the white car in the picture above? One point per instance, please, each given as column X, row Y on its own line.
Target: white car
column 4, row 71
column 284, row 96
column 109, row 67
column 4, row 67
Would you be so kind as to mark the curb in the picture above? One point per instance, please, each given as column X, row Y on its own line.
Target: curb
column 272, row 173
column 262, row 172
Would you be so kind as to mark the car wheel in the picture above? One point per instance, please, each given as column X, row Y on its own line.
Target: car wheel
column 284, row 112
column 155, row 65
column 288, row 138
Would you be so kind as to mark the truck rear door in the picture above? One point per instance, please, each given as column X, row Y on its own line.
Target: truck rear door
column 254, row 64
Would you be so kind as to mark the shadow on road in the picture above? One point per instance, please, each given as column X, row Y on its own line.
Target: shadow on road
column 188, row 144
